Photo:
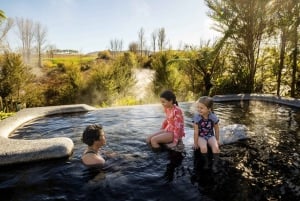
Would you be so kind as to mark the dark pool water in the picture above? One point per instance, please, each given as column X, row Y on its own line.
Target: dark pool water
column 264, row 167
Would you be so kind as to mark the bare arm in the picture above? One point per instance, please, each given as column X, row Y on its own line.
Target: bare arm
column 179, row 126
column 164, row 124
column 217, row 132
column 196, row 136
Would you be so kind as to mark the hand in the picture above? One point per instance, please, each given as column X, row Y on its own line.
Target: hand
column 195, row 146
column 148, row 139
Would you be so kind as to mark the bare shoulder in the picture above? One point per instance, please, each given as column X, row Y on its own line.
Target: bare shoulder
column 91, row 159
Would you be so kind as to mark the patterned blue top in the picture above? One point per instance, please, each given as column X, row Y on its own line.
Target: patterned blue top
column 206, row 126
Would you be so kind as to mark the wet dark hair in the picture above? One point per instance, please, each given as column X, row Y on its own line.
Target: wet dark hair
column 169, row 96
column 91, row 133
column 207, row 101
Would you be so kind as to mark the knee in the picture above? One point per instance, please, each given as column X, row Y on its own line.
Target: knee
column 153, row 141
column 215, row 149
column 203, row 149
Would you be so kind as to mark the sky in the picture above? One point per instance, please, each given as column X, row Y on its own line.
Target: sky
column 90, row 25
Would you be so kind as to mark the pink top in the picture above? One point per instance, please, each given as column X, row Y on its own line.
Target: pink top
column 174, row 123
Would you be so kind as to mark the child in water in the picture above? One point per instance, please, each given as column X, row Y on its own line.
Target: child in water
column 206, row 130
column 94, row 137
column 172, row 129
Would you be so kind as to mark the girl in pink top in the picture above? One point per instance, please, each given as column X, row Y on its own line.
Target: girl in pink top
column 172, row 129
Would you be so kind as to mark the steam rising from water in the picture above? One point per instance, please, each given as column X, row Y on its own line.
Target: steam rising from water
column 144, row 78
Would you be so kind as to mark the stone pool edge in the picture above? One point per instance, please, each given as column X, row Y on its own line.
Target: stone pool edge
column 14, row 151
column 259, row 97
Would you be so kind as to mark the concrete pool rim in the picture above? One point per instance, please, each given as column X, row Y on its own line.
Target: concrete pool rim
column 14, row 151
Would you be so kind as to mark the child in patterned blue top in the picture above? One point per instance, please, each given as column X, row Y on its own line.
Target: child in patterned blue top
column 206, row 130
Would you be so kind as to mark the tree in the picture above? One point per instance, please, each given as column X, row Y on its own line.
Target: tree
column 133, row 47
column 106, row 55
column 161, row 39
column 4, row 27
column 2, row 15
column 246, row 23
column 207, row 62
column 26, row 34
column 295, row 39
column 110, row 81
column 40, row 37
column 284, row 15
column 116, row 45
column 14, row 75
column 153, row 39
column 142, row 40
column 162, row 79
column 202, row 63
column 123, row 74
column 50, row 51
column 280, row 22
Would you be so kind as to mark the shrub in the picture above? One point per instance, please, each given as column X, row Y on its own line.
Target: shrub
column 128, row 100
column 4, row 115
column 48, row 64
column 105, row 55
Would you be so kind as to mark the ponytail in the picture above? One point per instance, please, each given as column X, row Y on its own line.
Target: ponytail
column 169, row 96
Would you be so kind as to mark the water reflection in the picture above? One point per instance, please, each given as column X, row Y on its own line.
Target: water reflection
column 174, row 167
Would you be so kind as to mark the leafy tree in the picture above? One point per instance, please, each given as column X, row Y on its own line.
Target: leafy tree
column 245, row 20
column 4, row 28
column 283, row 20
column 106, row 55
column 109, row 81
column 2, row 15
column 64, row 85
column 100, row 87
column 74, row 82
column 203, row 63
column 14, row 75
column 207, row 62
column 266, row 79
column 123, row 74
column 133, row 47
column 295, row 43
column 162, row 72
